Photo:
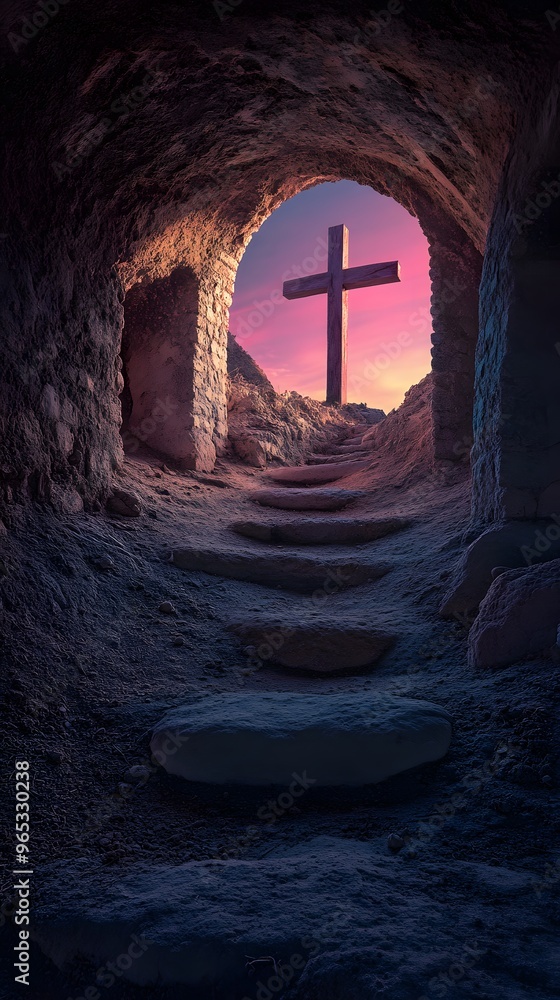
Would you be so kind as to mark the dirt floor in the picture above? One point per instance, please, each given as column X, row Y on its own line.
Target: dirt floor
column 90, row 663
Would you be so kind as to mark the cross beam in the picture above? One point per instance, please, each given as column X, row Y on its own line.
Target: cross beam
column 336, row 283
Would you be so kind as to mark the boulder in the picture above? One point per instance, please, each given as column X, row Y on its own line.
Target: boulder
column 254, row 738
column 124, row 503
column 512, row 545
column 518, row 617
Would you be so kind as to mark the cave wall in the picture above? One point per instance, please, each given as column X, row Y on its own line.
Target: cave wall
column 455, row 273
column 174, row 369
column 516, row 456
column 139, row 142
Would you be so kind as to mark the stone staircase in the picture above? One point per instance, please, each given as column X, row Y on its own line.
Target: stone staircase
column 268, row 553
column 294, row 740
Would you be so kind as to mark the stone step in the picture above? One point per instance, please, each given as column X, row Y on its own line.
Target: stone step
column 320, row 531
column 354, row 456
column 301, row 919
column 311, row 474
column 290, row 572
column 294, row 499
column 349, row 443
column 314, row 645
column 254, row 738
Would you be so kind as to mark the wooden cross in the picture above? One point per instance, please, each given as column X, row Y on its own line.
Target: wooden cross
column 336, row 283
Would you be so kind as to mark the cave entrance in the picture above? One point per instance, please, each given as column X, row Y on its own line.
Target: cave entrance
column 397, row 333
column 175, row 339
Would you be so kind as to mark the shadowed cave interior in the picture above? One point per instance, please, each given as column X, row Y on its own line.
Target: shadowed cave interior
column 285, row 674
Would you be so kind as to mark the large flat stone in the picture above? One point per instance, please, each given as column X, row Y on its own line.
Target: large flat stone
column 338, row 916
column 321, row 531
column 297, row 572
column 294, row 499
column 251, row 738
column 516, row 544
column 315, row 645
column 519, row 616
column 310, row 474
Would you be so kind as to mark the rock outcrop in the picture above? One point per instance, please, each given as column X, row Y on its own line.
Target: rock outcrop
column 267, row 426
column 519, row 616
column 240, row 363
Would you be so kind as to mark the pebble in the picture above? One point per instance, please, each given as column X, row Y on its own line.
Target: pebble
column 395, row 843
column 166, row 608
column 124, row 503
column 178, row 640
column 124, row 789
column 54, row 756
column 104, row 563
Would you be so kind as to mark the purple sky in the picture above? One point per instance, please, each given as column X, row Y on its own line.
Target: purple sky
column 389, row 326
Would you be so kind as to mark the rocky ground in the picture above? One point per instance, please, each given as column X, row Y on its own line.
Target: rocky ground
column 101, row 634
column 265, row 426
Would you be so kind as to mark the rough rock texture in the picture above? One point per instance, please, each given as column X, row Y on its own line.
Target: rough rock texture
column 512, row 545
column 294, row 572
column 264, row 425
column 317, row 531
column 314, row 645
column 166, row 140
column 240, row 362
column 264, row 739
column 519, row 616
column 347, row 456
column 307, row 499
column 336, row 939
column 406, row 434
column 311, row 474
column 124, row 503
column 172, row 396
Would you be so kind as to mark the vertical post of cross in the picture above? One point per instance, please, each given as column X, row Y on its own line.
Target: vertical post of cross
column 336, row 283
column 337, row 317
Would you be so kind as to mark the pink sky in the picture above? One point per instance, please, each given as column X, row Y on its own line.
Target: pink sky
column 389, row 326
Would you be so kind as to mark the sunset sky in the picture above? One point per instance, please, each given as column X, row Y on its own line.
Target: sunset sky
column 389, row 326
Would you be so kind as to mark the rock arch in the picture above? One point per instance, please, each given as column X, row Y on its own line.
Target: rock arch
column 159, row 149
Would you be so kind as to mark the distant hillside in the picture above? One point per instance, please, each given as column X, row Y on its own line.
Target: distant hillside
column 239, row 362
